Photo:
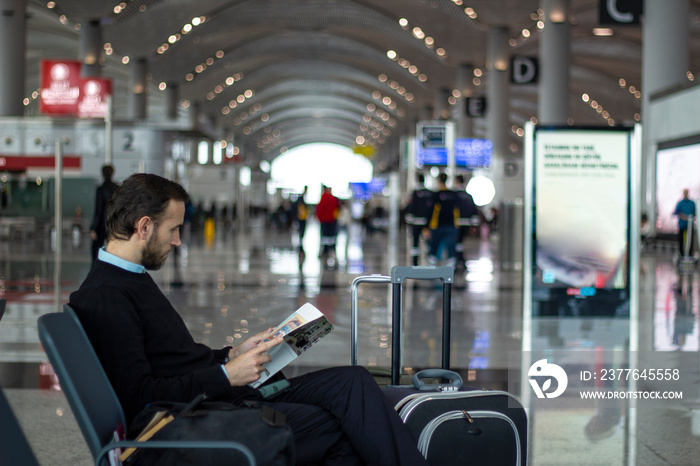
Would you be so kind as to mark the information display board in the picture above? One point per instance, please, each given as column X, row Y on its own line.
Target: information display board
column 579, row 221
column 431, row 143
column 473, row 153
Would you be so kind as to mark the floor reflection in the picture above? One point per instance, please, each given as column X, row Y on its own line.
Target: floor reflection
column 240, row 282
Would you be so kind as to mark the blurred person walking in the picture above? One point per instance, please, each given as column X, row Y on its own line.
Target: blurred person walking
column 441, row 230
column 327, row 211
column 685, row 209
column 468, row 217
column 301, row 212
column 98, row 229
column 417, row 213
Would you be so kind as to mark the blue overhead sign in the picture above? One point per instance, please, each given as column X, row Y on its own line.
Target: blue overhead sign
column 473, row 153
column 469, row 153
column 364, row 190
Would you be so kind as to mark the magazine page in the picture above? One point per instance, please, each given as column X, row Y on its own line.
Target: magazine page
column 300, row 331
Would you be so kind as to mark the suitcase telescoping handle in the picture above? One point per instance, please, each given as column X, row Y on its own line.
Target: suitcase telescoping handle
column 374, row 278
column 399, row 274
column 455, row 381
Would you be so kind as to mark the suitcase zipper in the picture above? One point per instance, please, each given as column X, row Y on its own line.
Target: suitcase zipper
column 410, row 402
column 429, row 429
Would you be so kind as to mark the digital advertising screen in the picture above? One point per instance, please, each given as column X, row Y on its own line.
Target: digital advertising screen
column 677, row 168
column 580, row 224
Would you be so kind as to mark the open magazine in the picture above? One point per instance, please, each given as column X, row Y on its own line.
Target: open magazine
column 300, row 330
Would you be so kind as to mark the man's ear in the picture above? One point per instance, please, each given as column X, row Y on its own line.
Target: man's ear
column 144, row 227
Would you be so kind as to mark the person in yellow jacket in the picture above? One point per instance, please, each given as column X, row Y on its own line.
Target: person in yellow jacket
column 443, row 224
column 301, row 213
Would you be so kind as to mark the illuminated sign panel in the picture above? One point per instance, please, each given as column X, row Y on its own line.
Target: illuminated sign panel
column 580, row 226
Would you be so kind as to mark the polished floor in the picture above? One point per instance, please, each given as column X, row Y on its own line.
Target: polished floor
column 240, row 282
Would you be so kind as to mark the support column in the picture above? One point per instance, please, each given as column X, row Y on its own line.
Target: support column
column 171, row 101
column 463, row 84
column 440, row 111
column 665, row 62
column 13, row 39
column 138, row 90
column 426, row 113
column 498, row 93
column 91, row 48
column 194, row 115
column 553, row 92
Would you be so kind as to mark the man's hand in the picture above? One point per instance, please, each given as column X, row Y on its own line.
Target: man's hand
column 249, row 344
column 246, row 367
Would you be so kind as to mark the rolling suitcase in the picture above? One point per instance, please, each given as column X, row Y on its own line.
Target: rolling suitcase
column 451, row 424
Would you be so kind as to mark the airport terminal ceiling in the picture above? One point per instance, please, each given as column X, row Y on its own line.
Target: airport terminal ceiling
column 281, row 73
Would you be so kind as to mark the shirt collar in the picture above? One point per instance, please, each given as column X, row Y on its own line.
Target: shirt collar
column 110, row 258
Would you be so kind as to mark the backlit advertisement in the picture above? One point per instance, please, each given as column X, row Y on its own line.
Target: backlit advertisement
column 580, row 221
column 677, row 168
column 94, row 93
column 60, row 87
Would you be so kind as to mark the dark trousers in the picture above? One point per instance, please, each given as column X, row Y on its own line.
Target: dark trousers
column 329, row 235
column 339, row 416
column 416, row 232
column 302, row 230
column 459, row 245
column 443, row 237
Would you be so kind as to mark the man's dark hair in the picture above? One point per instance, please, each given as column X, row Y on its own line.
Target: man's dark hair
column 420, row 178
column 443, row 178
column 459, row 179
column 140, row 195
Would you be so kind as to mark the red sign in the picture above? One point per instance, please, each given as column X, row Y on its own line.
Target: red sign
column 21, row 163
column 60, row 87
column 92, row 102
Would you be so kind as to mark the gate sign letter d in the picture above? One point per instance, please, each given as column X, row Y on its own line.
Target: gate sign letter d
column 524, row 70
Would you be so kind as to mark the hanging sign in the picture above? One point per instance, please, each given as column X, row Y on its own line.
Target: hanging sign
column 60, row 87
column 94, row 93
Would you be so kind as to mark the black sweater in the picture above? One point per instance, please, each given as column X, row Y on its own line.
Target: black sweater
column 142, row 342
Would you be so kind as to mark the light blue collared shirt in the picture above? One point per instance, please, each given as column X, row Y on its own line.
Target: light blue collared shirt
column 110, row 258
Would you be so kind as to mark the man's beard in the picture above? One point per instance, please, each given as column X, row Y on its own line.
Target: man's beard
column 153, row 258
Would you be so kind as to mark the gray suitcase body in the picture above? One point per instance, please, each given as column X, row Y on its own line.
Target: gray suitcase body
column 451, row 423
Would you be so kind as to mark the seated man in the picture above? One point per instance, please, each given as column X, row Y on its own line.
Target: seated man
column 337, row 415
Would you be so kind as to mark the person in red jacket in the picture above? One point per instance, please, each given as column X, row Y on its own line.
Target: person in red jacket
column 327, row 214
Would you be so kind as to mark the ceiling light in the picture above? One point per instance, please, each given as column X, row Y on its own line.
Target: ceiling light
column 602, row 32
